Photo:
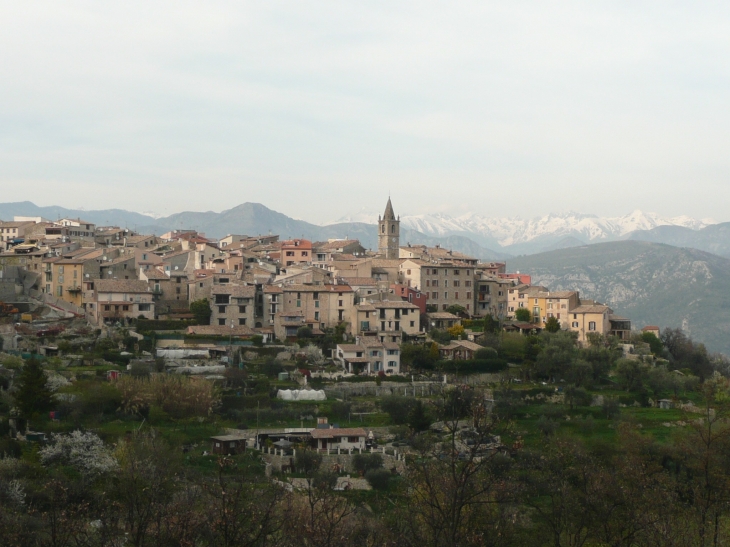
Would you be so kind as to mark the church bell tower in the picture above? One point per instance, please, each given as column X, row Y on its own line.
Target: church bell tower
column 389, row 233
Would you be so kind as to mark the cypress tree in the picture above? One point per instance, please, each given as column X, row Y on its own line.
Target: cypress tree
column 33, row 396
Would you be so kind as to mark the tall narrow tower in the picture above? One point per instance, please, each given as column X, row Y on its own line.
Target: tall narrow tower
column 389, row 233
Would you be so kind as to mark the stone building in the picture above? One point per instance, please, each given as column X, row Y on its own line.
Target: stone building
column 388, row 233
column 386, row 320
column 232, row 304
column 447, row 283
column 113, row 300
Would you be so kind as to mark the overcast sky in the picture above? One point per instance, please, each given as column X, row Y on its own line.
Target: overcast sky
column 319, row 109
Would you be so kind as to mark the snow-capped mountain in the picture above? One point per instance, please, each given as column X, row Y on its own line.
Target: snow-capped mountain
column 507, row 232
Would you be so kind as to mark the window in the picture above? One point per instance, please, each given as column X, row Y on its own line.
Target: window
column 413, row 323
column 299, row 303
column 316, row 303
column 408, row 272
column 456, row 272
column 125, row 308
column 221, row 309
column 434, row 296
column 428, row 282
column 467, row 283
column 107, row 307
column 446, row 296
column 143, row 307
column 591, row 325
column 305, row 253
column 177, row 290
column 392, row 364
column 241, row 309
column 59, row 292
column 574, row 324
column 340, row 303
column 456, row 295
column 242, row 321
column 456, row 283
column 222, row 322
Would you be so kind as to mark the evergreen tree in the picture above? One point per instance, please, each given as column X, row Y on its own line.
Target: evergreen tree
column 418, row 420
column 552, row 324
column 201, row 311
column 33, row 396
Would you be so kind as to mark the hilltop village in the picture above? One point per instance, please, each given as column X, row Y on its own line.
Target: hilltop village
column 269, row 288
column 253, row 390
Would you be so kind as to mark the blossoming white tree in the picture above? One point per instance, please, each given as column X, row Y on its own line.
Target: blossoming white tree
column 84, row 451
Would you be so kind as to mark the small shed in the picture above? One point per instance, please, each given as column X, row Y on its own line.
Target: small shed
column 228, row 444
column 665, row 404
column 35, row 436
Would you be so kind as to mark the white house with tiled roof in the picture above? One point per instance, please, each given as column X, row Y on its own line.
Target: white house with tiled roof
column 369, row 356
column 342, row 438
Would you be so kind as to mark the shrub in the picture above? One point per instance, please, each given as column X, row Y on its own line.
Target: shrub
column 340, row 410
column 179, row 396
column 611, row 407
column 485, row 353
column 546, row 426
column 378, row 478
column 362, row 463
column 307, row 462
column 398, row 408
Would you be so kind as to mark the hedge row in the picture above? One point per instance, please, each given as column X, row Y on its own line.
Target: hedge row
column 162, row 324
column 473, row 366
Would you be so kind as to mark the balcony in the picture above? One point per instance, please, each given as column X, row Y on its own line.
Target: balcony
column 73, row 289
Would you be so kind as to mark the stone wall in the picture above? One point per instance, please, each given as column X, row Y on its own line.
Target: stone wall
column 417, row 389
column 334, row 462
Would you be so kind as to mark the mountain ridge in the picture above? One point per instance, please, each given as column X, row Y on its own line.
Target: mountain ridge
column 651, row 283
column 515, row 235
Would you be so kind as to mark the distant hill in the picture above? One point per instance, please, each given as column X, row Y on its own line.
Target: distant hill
column 713, row 239
column 106, row 217
column 249, row 219
column 648, row 282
